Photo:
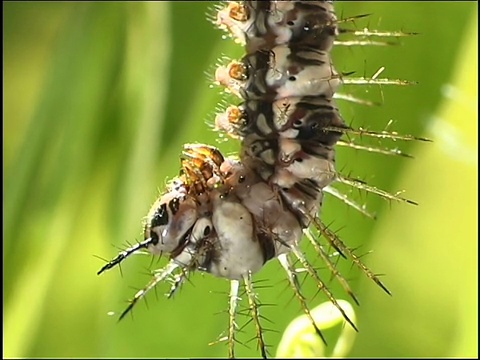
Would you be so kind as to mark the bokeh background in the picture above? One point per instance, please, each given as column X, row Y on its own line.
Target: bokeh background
column 99, row 98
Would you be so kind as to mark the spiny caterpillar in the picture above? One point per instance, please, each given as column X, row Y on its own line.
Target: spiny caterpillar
column 228, row 216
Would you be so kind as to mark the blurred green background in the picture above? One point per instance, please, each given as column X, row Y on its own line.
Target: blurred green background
column 99, row 98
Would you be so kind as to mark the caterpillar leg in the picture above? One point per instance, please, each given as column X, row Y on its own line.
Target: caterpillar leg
column 159, row 276
column 353, row 145
column 232, row 312
column 372, row 189
column 337, row 243
column 254, row 313
column 320, row 284
column 177, row 282
column 126, row 253
column 343, row 197
column 331, row 266
column 286, row 263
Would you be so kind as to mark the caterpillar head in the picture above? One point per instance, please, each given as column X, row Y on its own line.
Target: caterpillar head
column 169, row 222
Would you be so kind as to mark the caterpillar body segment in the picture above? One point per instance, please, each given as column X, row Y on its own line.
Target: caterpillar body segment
column 260, row 25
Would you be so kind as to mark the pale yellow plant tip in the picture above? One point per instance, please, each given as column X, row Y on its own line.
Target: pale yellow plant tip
column 300, row 340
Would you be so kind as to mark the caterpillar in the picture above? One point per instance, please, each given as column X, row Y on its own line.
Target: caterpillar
column 229, row 216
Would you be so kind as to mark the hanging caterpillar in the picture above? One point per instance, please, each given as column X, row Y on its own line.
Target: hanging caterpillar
column 229, row 216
